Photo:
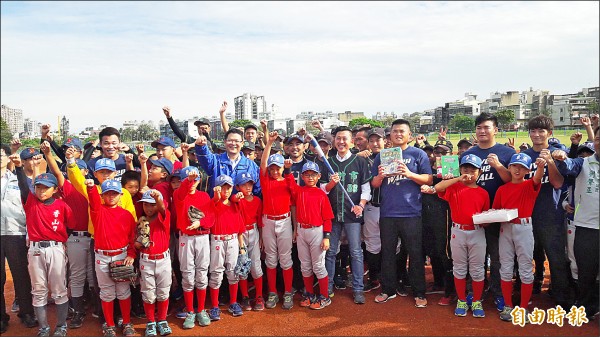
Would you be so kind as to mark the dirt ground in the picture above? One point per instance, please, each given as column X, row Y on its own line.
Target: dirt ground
column 399, row 316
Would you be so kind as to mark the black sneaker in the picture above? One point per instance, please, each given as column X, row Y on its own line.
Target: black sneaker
column 77, row 320
column 29, row 320
column 61, row 331
column 339, row 284
column 371, row 285
column 537, row 288
column 401, row 291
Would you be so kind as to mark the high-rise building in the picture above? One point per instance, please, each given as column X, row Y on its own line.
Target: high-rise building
column 251, row 107
column 14, row 119
column 32, row 128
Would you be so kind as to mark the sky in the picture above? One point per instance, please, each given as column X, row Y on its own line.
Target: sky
column 106, row 62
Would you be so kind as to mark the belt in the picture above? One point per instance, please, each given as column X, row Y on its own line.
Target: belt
column 154, row 256
column 465, row 227
column 111, row 252
column 250, row 227
column 307, row 226
column 81, row 233
column 223, row 237
column 521, row 221
column 46, row 244
column 277, row 217
column 375, row 204
column 204, row 232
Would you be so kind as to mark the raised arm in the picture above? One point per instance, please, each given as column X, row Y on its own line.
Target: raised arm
column 267, row 151
column 129, row 162
column 45, row 148
column 224, row 123
column 144, row 170
column 185, row 159
column 539, row 173
column 160, row 205
column 556, row 179
column 444, row 184
column 21, row 177
column 57, row 149
column 587, row 123
column 74, row 173
column 206, row 159
column 176, row 130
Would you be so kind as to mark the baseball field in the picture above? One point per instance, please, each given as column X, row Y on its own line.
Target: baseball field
column 397, row 317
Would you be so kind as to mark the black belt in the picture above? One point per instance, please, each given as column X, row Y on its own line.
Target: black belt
column 45, row 244
column 81, row 233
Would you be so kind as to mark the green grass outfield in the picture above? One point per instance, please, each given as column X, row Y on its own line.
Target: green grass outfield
column 519, row 136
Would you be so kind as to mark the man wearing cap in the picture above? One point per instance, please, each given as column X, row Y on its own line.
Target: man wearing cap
column 60, row 150
column 13, row 246
column 549, row 232
column 251, row 133
column 27, row 156
column 249, row 150
column 110, row 142
column 202, row 124
column 463, row 145
column 228, row 163
column 494, row 174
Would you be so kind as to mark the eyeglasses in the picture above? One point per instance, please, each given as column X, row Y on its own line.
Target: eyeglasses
column 233, row 141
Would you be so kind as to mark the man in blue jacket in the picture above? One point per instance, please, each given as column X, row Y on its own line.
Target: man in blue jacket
column 229, row 163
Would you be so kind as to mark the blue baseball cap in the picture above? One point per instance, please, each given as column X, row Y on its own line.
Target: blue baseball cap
column 471, row 159
column 186, row 170
column 28, row 153
column 520, row 159
column 243, row 177
column 166, row 141
column 223, row 179
column 310, row 166
column 147, row 197
column 294, row 136
column 176, row 173
column 587, row 146
column 73, row 142
column 553, row 141
column 46, row 179
column 81, row 164
column 111, row 185
column 275, row 159
column 105, row 164
column 164, row 163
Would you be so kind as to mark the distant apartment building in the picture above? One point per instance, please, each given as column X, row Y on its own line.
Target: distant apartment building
column 566, row 110
column 347, row 116
column 31, row 128
column 14, row 119
column 379, row 116
column 252, row 107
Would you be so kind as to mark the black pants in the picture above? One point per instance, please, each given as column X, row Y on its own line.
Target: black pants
column 298, row 280
column 436, row 243
column 586, row 255
column 14, row 250
column 410, row 232
column 492, row 235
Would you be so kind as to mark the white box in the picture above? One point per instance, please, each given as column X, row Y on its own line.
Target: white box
column 495, row 215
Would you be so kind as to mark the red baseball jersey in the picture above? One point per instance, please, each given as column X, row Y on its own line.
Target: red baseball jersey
column 139, row 207
column 78, row 204
column 520, row 196
column 160, row 234
column 277, row 197
column 114, row 227
column 47, row 222
column 465, row 201
column 228, row 220
column 201, row 200
column 165, row 189
column 312, row 207
column 251, row 211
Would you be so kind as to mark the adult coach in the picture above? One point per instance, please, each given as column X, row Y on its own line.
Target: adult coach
column 110, row 142
column 400, row 213
column 494, row 174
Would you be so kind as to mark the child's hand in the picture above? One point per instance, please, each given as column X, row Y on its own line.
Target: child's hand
column 287, row 163
column 272, row 137
column 139, row 148
column 466, row 178
column 448, row 176
column 194, row 225
column 155, row 194
column 325, row 244
column 540, row 162
column 45, row 148
column 335, row 178
column 143, row 158
column 89, row 182
column 239, row 195
column 144, row 189
column 15, row 145
column 217, row 191
column 427, row 189
column 16, row 159
column 37, row 160
column 70, row 153
column 129, row 261
column 192, row 175
column 576, row 138
column 201, row 141
column 128, row 158
column 185, row 147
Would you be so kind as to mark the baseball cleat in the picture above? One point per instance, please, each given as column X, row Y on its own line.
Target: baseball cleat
column 499, row 301
column 420, row 302
column 245, row 303
column 44, row 332
column 307, row 300
column 128, row 330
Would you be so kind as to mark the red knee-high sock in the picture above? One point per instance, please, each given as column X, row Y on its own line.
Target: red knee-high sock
column 526, row 290
column 214, row 297
column 201, row 296
column 126, row 310
column 233, row 288
column 258, row 283
column 308, row 285
column 288, row 275
column 477, row 290
column 244, row 288
column 507, row 288
column 188, row 297
column 272, row 279
column 461, row 288
column 149, row 309
column 163, row 306
column 324, row 286
column 108, row 310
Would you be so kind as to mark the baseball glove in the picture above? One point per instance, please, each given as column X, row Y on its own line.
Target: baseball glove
column 242, row 267
column 195, row 214
column 119, row 272
column 142, row 239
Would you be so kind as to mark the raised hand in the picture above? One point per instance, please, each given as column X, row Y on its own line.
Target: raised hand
column 70, row 153
column 585, row 121
column 37, row 160
column 185, row 147
column 272, row 136
column 316, row 124
column 576, row 138
column 201, row 140
column 239, row 195
column 223, row 107
column 511, row 142
column 263, row 124
column 540, row 162
column 45, row 130
column 287, row 163
column 128, row 158
column 217, row 192
column 155, row 194
column 192, row 175
column 45, row 148
column 546, row 155
column 16, row 159
column 143, row 158
column 139, row 148
column 302, row 132
column 167, row 111
column 493, row 160
column 123, row 147
column 420, row 139
column 443, row 132
column 594, row 120
column 15, row 145
column 559, row 155
column 89, row 182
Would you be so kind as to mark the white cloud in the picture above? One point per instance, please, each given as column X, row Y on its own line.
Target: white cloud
column 102, row 62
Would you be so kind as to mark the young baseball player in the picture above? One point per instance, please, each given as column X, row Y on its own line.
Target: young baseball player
column 195, row 218
column 114, row 234
column 516, row 236
column 277, row 232
column 227, row 241
column 78, row 244
column 468, row 240
column 47, row 220
column 130, row 180
column 155, row 264
column 251, row 209
column 314, row 215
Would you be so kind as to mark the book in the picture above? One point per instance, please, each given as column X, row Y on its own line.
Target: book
column 391, row 159
column 450, row 165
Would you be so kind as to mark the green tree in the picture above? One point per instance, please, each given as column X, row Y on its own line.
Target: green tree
column 5, row 135
column 593, row 108
column 363, row 121
column 239, row 123
column 505, row 118
column 462, row 123
column 146, row 132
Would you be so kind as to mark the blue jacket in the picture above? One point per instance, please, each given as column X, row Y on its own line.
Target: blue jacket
column 217, row 164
